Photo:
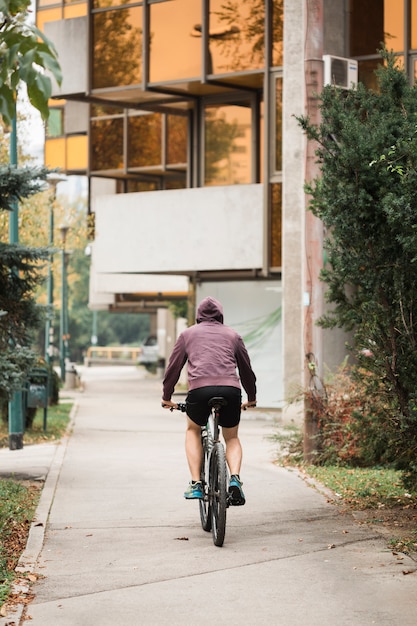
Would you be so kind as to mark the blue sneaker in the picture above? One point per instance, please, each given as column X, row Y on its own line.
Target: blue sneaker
column 194, row 491
column 237, row 497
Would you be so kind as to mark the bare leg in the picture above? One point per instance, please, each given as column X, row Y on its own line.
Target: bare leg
column 193, row 448
column 233, row 449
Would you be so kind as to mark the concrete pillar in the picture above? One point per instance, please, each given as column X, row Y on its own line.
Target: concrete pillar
column 293, row 202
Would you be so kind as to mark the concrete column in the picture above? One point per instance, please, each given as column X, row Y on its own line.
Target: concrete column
column 293, row 201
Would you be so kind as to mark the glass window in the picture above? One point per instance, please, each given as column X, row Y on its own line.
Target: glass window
column 77, row 152
column 117, row 37
column 176, row 139
column 227, row 145
column 100, row 110
column 376, row 21
column 144, row 140
column 55, row 153
column 174, row 52
column 366, row 73
column 97, row 4
column 49, row 15
column 236, row 36
column 55, row 123
column 414, row 24
column 278, row 125
column 75, row 10
column 175, row 183
column 140, row 185
column 45, row 3
column 107, row 144
column 277, row 32
column 276, row 225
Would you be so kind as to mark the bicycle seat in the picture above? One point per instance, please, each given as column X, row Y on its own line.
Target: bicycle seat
column 217, row 401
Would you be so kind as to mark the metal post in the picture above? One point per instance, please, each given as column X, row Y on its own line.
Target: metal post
column 15, row 405
column 50, row 293
column 62, row 319
column 94, row 336
column 53, row 179
column 63, row 338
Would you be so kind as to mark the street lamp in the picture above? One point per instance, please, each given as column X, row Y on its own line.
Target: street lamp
column 53, row 179
column 63, row 335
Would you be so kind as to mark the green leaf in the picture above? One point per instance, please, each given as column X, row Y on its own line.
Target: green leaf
column 37, row 99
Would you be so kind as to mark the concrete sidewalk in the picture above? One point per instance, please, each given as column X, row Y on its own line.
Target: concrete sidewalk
column 114, row 541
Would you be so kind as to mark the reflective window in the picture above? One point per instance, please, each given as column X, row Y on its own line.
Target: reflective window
column 174, row 52
column 45, row 3
column 277, row 32
column 140, row 185
column 77, row 152
column 276, row 222
column 236, row 35
column 366, row 73
column 55, row 153
column 117, row 48
column 227, row 145
column 98, row 4
column 376, row 21
column 175, row 183
column 55, row 123
column 278, row 125
column 414, row 24
column 48, row 15
column 107, row 144
column 176, row 139
column 75, row 10
column 99, row 110
column 144, row 140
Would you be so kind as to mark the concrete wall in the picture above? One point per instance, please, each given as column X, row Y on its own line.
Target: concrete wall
column 214, row 228
column 72, row 58
column 253, row 309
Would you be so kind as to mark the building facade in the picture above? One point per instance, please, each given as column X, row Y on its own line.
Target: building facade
column 181, row 113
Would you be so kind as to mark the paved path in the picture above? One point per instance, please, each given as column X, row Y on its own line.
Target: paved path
column 123, row 548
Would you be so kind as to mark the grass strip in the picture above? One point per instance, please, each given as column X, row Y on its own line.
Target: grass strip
column 56, row 425
column 18, row 503
column 18, row 499
column 364, row 487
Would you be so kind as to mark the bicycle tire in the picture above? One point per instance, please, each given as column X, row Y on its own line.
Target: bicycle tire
column 218, row 494
column 205, row 506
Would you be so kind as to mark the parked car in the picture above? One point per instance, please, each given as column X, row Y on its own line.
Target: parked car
column 149, row 351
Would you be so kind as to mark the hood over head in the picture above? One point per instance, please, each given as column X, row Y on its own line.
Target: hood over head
column 210, row 310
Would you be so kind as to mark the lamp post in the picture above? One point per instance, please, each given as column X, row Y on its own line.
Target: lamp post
column 53, row 180
column 16, row 420
column 63, row 335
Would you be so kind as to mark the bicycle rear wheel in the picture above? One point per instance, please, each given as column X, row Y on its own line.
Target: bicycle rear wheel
column 205, row 508
column 218, row 494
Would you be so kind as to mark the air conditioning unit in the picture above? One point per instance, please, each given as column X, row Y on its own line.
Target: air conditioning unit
column 340, row 72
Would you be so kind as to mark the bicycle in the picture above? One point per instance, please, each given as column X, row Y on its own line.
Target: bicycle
column 213, row 474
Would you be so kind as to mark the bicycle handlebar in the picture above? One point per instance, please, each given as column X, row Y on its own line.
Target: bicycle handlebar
column 181, row 406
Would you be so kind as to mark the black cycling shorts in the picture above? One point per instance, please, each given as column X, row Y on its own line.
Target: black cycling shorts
column 198, row 409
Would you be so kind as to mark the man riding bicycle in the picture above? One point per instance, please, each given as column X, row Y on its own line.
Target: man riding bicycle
column 213, row 352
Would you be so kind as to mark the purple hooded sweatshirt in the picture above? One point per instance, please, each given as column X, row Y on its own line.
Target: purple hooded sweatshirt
column 213, row 352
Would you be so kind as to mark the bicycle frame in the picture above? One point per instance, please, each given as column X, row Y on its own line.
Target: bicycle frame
column 214, row 475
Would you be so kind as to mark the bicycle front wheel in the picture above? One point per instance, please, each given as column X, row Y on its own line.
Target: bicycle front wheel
column 205, row 508
column 218, row 494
